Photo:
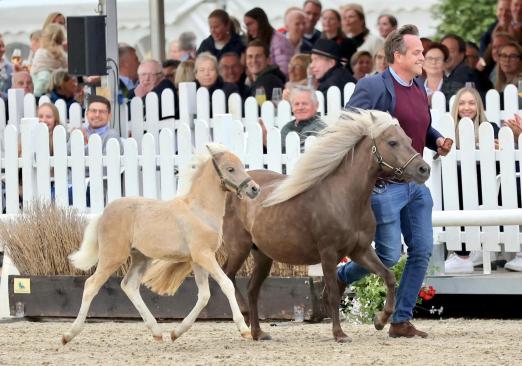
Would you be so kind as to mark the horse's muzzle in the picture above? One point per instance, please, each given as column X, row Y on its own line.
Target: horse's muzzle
column 422, row 172
column 252, row 189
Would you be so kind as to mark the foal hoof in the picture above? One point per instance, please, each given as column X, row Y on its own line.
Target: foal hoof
column 262, row 336
column 66, row 339
column 173, row 336
column 247, row 335
column 158, row 338
column 377, row 323
column 342, row 339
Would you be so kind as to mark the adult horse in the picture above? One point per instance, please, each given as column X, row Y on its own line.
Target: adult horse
column 183, row 232
column 322, row 211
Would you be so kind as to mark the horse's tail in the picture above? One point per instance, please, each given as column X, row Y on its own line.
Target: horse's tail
column 164, row 277
column 87, row 255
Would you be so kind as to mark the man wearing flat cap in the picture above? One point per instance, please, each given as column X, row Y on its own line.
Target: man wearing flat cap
column 326, row 66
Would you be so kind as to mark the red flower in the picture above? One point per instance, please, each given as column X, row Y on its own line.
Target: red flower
column 427, row 293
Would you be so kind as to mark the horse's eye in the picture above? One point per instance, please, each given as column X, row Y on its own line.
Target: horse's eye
column 230, row 170
column 393, row 143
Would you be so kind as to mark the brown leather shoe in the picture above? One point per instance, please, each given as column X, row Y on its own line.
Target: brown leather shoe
column 405, row 329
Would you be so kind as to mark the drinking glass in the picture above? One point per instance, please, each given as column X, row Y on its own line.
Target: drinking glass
column 16, row 57
column 260, row 96
column 277, row 96
column 520, row 88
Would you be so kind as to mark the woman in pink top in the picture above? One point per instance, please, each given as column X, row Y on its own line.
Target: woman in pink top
column 258, row 27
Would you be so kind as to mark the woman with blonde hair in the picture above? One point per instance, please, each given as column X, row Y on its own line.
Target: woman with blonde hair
column 185, row 73
column 49, row 57
column 48, row 114
column 54, row 18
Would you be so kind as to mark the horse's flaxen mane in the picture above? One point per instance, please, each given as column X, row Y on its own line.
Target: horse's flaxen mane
column 192, row 170
column 327, row 152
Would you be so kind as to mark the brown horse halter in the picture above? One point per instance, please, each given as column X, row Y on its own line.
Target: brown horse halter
column 397, row 172
column 225, row 182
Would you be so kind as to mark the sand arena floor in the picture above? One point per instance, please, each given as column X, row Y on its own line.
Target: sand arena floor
column 451, row 342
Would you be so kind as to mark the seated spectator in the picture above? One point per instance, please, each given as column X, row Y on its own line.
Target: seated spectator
column 206, row 72
column 51, row 56
column 510, row 67
column 297, row 73
column 264, row 75
column 98, row 116
column 48, row 113
column 23, row 80
column 6, row 71
column 458, row 73
column 435, row 56
column 63, row 86
column 491, row 58
column 386, row 23
column 151, row 79
column 326, row 67
column 259, row 28
column 312, row 9
column 362, row 64
column 184, row 48
column 331, row 21
column 468, row 103
column 472, row 55
column 515, row 27
column 379, row 62
column 54, row 18
column 232, row 71
column 184, row 73
column 295, row 21
column 169, row 69
column 306, row 122
column 500, row 25
column 128, row 70
column 223, row 37
column 35, row 38
column 354, row 27
column 426, row 42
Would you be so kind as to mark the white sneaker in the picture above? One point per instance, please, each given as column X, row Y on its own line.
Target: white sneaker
column 456, row 264
column 515, row 264
column 478, row 259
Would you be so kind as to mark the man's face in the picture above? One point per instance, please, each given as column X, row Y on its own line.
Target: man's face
column 503, row 13
column 98, row 115
column 455, row 57
column 411, row 62
column 496, row 44
column 516, row 10
column 2, row 47
column 130, row 63
column 256, row 60
column 320, row 65
column 384, row 26
column 472, row 56
column 22, row 80
column 295, row 24
column 313, row 13
column 303, row 106
column 150, row 75
column 230, row 69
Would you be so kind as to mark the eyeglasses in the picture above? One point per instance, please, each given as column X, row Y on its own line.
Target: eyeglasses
column 506, row 57
column 98, row 111
column 146, row 75
column 434, row 60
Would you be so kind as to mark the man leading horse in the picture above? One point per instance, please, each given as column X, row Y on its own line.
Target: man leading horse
column 401, row 207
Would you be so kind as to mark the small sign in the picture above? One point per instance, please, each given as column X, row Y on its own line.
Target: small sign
column 22, row 285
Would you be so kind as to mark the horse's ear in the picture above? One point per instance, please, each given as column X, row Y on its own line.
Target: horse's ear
column 374, row 118
column 210, row 149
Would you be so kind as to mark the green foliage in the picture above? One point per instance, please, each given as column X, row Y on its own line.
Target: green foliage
column 369, row 295
column 467, row 18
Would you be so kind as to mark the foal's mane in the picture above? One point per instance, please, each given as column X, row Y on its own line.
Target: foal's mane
column 192, row 170
column 330, row 148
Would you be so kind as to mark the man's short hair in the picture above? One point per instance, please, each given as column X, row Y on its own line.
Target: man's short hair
column 171, row 63
column 259, row 43
column 461, row 42
column 187, row 41
column 393, row 21
column 304, row 89
column 395, row 41
column 315, row 2
column 98, row 99
column 125, row 49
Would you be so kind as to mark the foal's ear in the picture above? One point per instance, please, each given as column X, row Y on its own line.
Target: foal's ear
column 209, row 148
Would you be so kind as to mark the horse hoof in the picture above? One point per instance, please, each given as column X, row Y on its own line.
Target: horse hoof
column 377, row 323
column 66, row 339
column 159, row 338
column 262, row 336
column 173, row 336
column 343, row 339
column 247, row 335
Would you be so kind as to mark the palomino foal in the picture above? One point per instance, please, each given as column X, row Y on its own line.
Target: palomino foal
column 184, row 232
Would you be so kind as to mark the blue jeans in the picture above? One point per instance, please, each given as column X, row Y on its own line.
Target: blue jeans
column 400, row 208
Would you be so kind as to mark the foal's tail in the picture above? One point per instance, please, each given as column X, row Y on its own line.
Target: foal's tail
column 87, row 255
column 164, row 277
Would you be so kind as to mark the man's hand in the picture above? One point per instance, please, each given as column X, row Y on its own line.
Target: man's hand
column 443, row 146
